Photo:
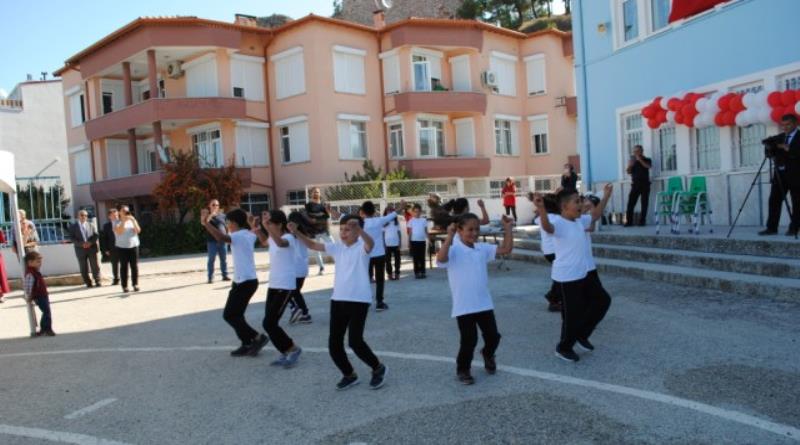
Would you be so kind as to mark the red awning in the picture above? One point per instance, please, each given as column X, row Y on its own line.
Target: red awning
column 682, row 9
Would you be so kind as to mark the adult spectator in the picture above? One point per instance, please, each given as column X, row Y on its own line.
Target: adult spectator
column 509, row 193
column 786, row 178
column 30, row 236
column 84, row 238
column 639, row 169
column 217, row 219
column 127, row 232
column 108, row 243
column 569, row 179
column 319, row 214
column 4, row 287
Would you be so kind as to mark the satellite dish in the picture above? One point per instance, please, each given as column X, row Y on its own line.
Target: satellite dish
column 383, row 4
column 162, row 154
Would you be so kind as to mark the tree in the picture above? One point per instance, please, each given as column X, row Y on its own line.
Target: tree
column 368, row 184
column 337, row 9
column 273, row 21
column 507, row 13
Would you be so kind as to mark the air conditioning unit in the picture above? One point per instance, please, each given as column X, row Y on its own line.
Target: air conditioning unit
column 174, row 70
column 489, row 78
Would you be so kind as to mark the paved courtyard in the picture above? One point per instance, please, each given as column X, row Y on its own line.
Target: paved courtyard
column 672, row 365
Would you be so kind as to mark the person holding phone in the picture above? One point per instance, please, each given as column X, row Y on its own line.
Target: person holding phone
column 639, row 169
column 127, row 232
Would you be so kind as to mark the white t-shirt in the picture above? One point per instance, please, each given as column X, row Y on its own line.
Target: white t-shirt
column 301, row 259
column 468, row 277
column 374, row 228
column 548, row 245
column 391, row 234
column 282, row 264
column 129, row 239
column 418, row 227
column 243, row 244
column 570, row 244
column 587, row 222
column 351, row 280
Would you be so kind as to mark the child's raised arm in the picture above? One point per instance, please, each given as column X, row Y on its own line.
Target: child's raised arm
column 273, row 232
column 310, row 243
column 484, row 213
column 597, row 213
column 443, row 255
column 508, row 238
column 544, row 220
column 356, row 227
column 220, row 237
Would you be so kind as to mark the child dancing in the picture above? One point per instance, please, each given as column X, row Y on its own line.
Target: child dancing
column 298, row 302
column 391, row 238
column 418, row 225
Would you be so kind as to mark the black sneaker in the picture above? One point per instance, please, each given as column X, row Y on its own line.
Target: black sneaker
column 347, row 382
column 226, row 279
column 115, row 282
column 304, row 319
column 380, row 307
column 296, row 313
column 136, row 288
column 554, row 307
column 241, row 351
column 378, row 377
column 768, row 232
column 489, row 363
column 97, row 284
column 465, row 378
column 585, row 345
column 49, row 333
column 257, row 344
column 568, row 355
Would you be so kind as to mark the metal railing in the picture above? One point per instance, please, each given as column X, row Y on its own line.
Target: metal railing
column 42, row 199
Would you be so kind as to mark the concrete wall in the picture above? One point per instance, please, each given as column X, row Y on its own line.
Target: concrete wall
column 59, row 259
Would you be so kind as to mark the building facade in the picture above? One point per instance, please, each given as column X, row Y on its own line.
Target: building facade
column 630, row 52
column 311, row 100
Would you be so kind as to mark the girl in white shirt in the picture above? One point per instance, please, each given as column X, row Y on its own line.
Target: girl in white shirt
column 467, row 274
column 570, row 267
column 282, row 283
column 391, row 238
column 298, row 302
column 245, row 281
column 417, row 240
column 351, row 298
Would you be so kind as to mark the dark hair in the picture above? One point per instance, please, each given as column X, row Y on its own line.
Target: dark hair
column 278, row 217
column 112, row 209
column 462, row 219
column 238, row 217
column 348, row 217
column 460, row 205
column 789, row 118
column 32, row 256
column 564, row 196
column 303, row 224
column 417, row 206
column 593, row 198
column 368, row 208
column 387, row 211
column 551, row 203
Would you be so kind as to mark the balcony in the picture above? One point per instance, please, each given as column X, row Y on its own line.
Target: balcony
column 143, row 185
column 443, row 34
column 440, row 102
column 572, row 106
column 447, row 167
column 154, row 110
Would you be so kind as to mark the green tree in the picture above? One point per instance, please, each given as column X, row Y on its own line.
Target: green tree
column 273, row 21
column 367, row 184
column 337, row 9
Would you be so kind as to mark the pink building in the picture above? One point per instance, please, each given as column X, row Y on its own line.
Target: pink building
column 311, row 100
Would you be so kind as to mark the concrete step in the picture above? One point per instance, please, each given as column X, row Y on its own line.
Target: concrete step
column 745, row 284
column 724, row 262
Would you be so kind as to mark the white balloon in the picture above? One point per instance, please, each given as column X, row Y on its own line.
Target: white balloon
column 701, row 104
column 797, row 108
column 663, row 103
column 761, row 99
column 741, row 120
column 764, row 115
column 713, row 105
column 749, row 100
column 671, row 117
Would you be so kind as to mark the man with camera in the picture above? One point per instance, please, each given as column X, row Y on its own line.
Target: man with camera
column 784, row 149
column 639, row 169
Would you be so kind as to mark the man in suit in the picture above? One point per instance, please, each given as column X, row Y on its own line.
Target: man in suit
column 786, row 178
column 108, row 243
column 84, row 238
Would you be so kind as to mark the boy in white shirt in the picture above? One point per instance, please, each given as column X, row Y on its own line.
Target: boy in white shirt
column 598, row 298
column 548, row 247
column 467, row 274
column 351, row 298
column 418, row 225
column 391, row 238
column 373, row 225
column 570, row 267
column 245, row 282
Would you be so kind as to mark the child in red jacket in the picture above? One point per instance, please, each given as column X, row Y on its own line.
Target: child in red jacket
column 36, row 290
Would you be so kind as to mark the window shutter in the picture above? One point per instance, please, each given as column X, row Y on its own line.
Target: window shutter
column 238, row 80
column 391, row 74
column 343, row 128
column 83, row 167
column 506, row 75
column 243, row 147
column 436, row 67
column 536, row 76
column 340, row 71
column 514, row 138
column 259, row 146
column 465, row 138
column 254, row 81
column 356, row 74
column 298, row 135
column 461, row 73
column 290, row 75
column 201, row 79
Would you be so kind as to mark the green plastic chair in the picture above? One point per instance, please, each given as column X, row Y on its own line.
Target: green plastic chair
column 665, row 201
column 692, row 205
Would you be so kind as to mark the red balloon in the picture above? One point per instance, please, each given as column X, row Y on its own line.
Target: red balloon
column 657, row 101
column 695, row 98
column 648, row 112
column 678, row 117
column 724, row 102
column 661, row 116
column 689, row 122
column 789, row 110
column 652, row 124
column 687, row 109
column 774, row 99
column 736, row 104
column 719, row 119
column 787, row 98
column 674, row 104
column 730, row 119
column 776, row 115
column 796, row 96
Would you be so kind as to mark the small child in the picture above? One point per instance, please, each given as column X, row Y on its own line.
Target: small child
column 419, row 235
column 351, row 298
column 36, row 290
column 548, row 247
column 598, row 297
column 391, row 238
column 282, row 283
column 299, row 308
column 467, row 274
column 243, row 241
column 373, row 225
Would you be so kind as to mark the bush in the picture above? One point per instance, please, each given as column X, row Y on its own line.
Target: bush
column 164, row 238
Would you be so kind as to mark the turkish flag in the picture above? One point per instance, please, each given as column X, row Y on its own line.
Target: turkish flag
column 682, row 9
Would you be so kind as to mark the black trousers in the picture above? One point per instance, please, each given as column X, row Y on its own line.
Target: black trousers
column 129, row 258
column 350, row 317
column 783, row 183
column 638, row 190
column 468, row 325
column 87, row 259
column 377, row 266
column 238, row 298
column 511, row 210
column 297, row 295
column 393, row 253
column 277, row 299
column 584, row 304
column 552, row 294
column 418, row 256
column 113, row 257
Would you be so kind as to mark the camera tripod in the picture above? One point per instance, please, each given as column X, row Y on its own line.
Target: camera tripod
column 756, row 177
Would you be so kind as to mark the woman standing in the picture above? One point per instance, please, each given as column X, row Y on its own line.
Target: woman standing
column 569, row 179
column 127, row 231
column 319, row 214
column 509, row 197
column 217, row 248
column 4, row 287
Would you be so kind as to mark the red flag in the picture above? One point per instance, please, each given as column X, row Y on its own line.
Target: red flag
column 682, row 9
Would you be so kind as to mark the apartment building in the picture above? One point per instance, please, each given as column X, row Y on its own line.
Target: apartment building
column 311, row 100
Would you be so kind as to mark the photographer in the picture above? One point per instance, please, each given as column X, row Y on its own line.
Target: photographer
column 784, row 149
column 127, row 232
column 639, row 169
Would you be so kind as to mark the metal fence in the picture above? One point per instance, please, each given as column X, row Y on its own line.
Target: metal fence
column 43, row 200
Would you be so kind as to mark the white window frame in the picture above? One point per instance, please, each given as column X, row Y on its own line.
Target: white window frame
column 256, row 93
column 696, row 154
column 247, row 202
column 659, row 148
column 211, row 86
column 629, row 138
column 512, row 135
column 546, row 140
column 528, row 60
column 473, row 148
column 754, row 144
column 400, row 133
column 468, row 74
column 391, row 71
column 436, row 151
column 350, row 84
column 790, row 81
column 427, row 54
column 352, row 123
column 207, row 130
column 511, row 85
column 295, row 197
column 83, row 176
column 247, row 148
column 77, row 106
column 277, row 61
column 287, row 126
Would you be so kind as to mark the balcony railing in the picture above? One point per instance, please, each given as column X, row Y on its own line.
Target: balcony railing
column 12, row 104
column 143, row 185
column 440, row 101
column 447, row 166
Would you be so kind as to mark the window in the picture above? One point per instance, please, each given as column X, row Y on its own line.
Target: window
column 535, row 71
column 426, row 68
column 108, row 102
column 496, row 187
column 396, row 146
column 422, row 77
column 667, row 153
column 749, row 143
column 76, row 110
column 208, row 146
column 82, row 163
column 294, row 142
column 630, row 20
column 118, row 158
column 504, row 66
column 706, row 142
column 505, row 139
column 146, row 155
column 255, row 203
column 295, row 197
column 247, row 77
column 431, row 138
column 289, row 73
column 391, row 73
column 352, row 139
column 465, row 137
column 659, row 14
column 545, row 185
column 539, row 143
column 632, row 132
column 201, row 77
column 252, row 148
column 790, row 81
column 459, row 67
column 348, row 70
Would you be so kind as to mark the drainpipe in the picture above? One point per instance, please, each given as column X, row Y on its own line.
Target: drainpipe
column 273, row 187
column 586, row 168
column 379, row 22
